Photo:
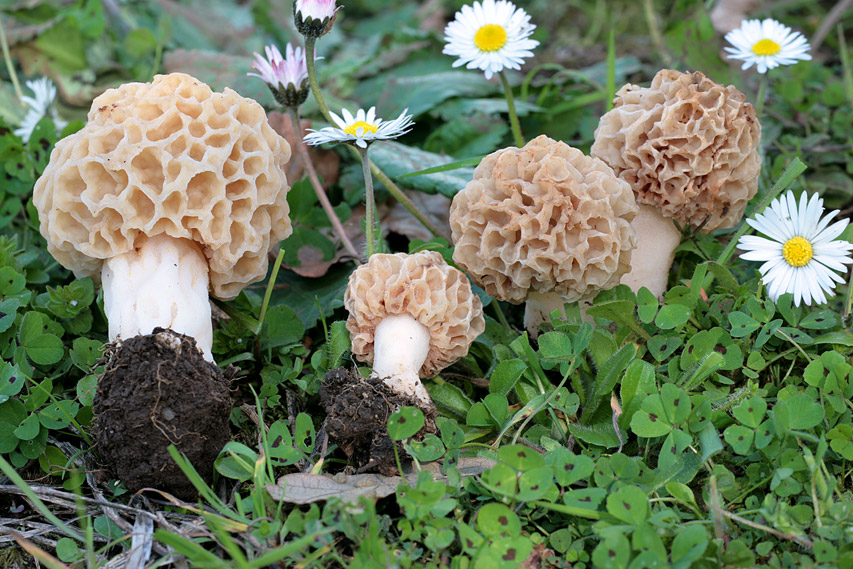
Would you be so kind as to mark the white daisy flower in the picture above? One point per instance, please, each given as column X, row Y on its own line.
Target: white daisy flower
column 800, row 256
column 44, row 92
column 766, row 44
column 490, row 36
column 361, row 129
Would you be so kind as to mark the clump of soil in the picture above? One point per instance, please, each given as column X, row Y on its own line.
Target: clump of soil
column 158, row 390
column 357, row 411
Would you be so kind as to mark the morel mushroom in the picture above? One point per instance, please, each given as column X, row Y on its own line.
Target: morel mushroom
column 170, row 189
column 543, row 223
column 411, row 316
column 689, row 148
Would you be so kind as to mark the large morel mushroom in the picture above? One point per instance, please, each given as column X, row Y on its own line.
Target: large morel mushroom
column 170, row 191
column 689, row 148
column 543, row 223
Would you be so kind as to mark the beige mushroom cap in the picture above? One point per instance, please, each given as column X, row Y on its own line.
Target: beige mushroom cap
column 543, row 218
column 424, row 287
column 687, row 145
column 168, row 157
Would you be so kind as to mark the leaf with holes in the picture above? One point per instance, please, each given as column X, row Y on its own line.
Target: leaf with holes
column 11, row 381
column 281, row 444
column 404, row 423
column 427, row 450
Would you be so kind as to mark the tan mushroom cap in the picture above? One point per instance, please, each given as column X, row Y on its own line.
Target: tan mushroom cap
column 424, row 287
column 169, row 157
column 543, row 218
column 687, row 145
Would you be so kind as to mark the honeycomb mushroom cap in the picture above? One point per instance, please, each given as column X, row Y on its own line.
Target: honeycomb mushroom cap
column 543, row 218
column 687, row 145
column 424, row 287
column 168, row 157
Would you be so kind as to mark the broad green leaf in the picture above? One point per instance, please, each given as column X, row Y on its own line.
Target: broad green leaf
column 688, row 546
column 647, row 305
column 451, row 434
column 676, row 403
column 821, row 320
column 59, row 415
column 672, row 316
column 661, row 347
column 85, row 353
column 612, row 553
column 427, row 450
column 497, row 406
column 496, row 520
column 740, row 438
column 86, row 388
column 742, row 324
column 502, row 479
column 556, row 346
column 478, row 416
column 281, row 327
column 803, row 412
column 651, row 420
column 507, row 373
column 404, row 423
column 569, row 467
column 11, row 381
column 41, row 347
column 751, row 412
column 533, row 484
column 29, row 428
column 520, row 457
column 450, row 398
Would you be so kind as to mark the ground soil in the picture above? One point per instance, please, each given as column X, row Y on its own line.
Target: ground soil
column 357, row 411
column 158, row 390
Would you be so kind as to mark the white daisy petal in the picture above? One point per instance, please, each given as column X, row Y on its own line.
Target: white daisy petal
column 766, row 44
column 802, row 255
column 361, row 129
column 490, row 36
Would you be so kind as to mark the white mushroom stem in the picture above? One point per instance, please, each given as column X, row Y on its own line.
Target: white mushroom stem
column 538, row 309
column 657, row 238
column 400, row 347
column 162, row 282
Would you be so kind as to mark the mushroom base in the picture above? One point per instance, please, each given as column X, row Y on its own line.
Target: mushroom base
column 657, row 238
column 157, row 390
column 357, row 411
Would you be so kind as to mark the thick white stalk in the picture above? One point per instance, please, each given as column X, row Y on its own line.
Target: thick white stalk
column 400, row 347
column 657, row 238
column 162, row 282
column 538, row 309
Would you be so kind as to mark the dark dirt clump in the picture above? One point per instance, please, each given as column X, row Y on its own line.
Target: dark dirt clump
column 158, row 390
column 357, row 411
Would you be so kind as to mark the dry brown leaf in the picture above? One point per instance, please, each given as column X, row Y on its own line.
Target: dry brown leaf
column 728, row 14
column 435, row 206
column 309, row 488
column 537, row 558
column 326, row 162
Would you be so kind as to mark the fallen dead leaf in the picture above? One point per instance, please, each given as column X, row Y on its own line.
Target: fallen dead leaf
column 728, row 14
column 435, row 206
column 538, row 557
column 309, row 488
column 326, row 162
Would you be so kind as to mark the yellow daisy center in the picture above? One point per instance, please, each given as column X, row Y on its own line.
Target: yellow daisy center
column 797, row 251
column 766, row 47
column 352, row 129
column 490, row 37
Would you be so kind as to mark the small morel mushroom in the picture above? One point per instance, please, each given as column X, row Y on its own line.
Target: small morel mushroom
column 411, row 316
column 689, row 148
column 545, row 224
column 169, row 191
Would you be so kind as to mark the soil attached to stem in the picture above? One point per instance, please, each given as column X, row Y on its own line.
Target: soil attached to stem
column 158, row 390
column 357, row 410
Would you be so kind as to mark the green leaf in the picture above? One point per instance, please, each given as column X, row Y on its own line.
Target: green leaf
column 496, row 520
column 803, row 412
column 601, row 434
column 507, row 373
column 569, row 467
column 520, row 457
column 497, row 406
column 85, row 353
column 647, row 305
column 11, row 381
column 397, row 159
column 449, row 398
column 723, row 275
column 688, row 546
column 59, row 415
column 140, row 41
column 451, row 434
column 556, row 346
column 282, row 327
column 751, row 412
column 742, row 324
column 661, row 347
column 304, row 435
column 236, row 461
column 651, row 420
column 42, row 348
column 8, row 439
column 281, row 444
column 612, row 553
column 628, row 504
column 821, row 320
column 428, row 450
column 478, row 416
column 533, row 484
column 405, row 423
column 29, row 428
column 709, row 441
column 672, row 316
column 8, row 312
column 502, row 479
column 740, row 438
column 676, row 403
column 86, row 388
column 67, row 550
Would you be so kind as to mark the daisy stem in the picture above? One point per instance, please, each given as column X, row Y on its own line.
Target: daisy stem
column 369, row 203
column 312, row 78
column 383, row 178
column 849, row 304
column 293, row 112
column 513, row 116
column 7, row 57
column 762, row 94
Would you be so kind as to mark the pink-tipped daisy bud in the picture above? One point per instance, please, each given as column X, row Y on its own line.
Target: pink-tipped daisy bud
column 314, row 18
column 287, row 77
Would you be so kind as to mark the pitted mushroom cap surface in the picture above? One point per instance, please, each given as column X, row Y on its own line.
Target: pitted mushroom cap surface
column 687, row 145
column 169, row 157
column 424, row 287
column 543, row 218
